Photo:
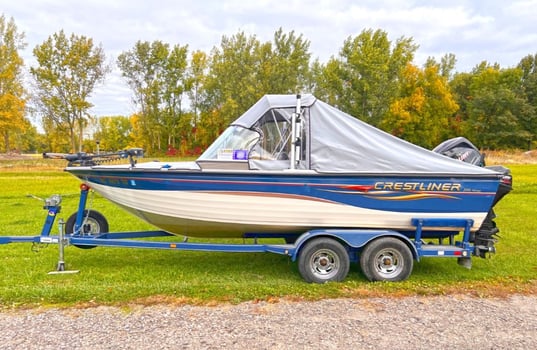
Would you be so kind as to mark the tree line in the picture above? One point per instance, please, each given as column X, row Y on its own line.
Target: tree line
column 185, row 99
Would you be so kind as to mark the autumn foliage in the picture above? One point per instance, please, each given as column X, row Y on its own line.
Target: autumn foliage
column 183, row 100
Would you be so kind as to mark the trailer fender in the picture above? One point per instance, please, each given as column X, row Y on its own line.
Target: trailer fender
column 353, row 238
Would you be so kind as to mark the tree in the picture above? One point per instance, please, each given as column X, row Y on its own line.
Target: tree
column 329, row 82
column 30, row 141
column 158, row 78
column 137, row 134
column 447, row 66
column 175, row 86
column 422, row 112
column 113, row 133
column 141, row 67
column 243, row 69
column 496, row 113
column 283, row 64
column 68, row 71
column 230, row 86
column 12, row 100
column 365, row 78
column 199, row 64
column 528, row 66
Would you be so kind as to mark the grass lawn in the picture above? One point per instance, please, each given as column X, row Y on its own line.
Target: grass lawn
column 124, row 276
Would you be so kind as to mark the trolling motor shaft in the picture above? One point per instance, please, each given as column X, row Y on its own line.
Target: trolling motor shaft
column 88, row 159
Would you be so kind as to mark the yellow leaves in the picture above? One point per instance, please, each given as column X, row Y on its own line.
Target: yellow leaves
column 12, row 119
column 406, row 108
column 11, row 112
column 399, row 109
column 420, row 115
column 417, row 100
column 12, row 102
column 412, row 76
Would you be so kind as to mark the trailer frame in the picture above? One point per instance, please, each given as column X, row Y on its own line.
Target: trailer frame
column 323, row 254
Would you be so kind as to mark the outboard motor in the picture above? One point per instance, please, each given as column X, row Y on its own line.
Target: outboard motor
column 462, row 149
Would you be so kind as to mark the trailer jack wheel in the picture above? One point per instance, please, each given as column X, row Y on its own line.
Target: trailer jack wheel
column 94, row 223
column 323, row 260
column 386, row 259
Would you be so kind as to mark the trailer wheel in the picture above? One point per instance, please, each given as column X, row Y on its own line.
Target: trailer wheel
column 94, row 222
column 386, row 259
column 323, row 260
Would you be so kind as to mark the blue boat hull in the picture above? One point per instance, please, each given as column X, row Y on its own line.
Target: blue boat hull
column 239, row 203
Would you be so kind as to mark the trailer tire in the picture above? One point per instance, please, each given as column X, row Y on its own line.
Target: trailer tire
column 94, row 222
column 386, row 259
column 323, row 260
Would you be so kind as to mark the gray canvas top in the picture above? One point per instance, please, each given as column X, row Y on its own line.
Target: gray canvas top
column 339, row 142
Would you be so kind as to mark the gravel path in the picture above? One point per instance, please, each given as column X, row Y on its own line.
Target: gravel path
column 402, row 323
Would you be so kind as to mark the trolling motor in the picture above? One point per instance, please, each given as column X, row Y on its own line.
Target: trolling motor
column 90, row 159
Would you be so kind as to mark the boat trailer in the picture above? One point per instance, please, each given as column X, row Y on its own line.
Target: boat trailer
column 323, row 255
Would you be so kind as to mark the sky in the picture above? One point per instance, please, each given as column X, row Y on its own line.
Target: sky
column 474, row 31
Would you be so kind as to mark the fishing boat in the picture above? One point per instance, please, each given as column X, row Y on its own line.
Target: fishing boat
column 292, row 164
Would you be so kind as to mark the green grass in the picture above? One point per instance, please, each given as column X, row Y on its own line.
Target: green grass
column 122, row 276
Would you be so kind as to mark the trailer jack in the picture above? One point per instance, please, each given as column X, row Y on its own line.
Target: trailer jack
column 62, row 243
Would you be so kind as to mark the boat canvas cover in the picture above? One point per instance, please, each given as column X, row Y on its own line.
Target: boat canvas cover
column 338, row 142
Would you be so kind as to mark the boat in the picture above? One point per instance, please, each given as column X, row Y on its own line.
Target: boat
column 293, row 163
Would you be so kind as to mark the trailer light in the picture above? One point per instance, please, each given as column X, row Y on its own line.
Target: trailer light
column 507, row 180
column 465, row 253
column 84, row 187
column 457, row 253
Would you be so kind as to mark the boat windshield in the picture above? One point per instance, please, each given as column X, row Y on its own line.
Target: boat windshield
column 269, row 138
column 235, row 143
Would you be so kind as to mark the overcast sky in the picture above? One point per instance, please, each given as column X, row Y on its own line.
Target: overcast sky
column 496, row 31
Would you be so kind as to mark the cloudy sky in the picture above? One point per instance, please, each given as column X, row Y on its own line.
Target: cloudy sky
column 496, row 31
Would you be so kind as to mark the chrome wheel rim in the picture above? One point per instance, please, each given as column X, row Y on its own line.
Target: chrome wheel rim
column 324, row 263
column 389, row 263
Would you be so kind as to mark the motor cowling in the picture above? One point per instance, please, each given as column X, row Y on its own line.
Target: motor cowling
column 461, row 149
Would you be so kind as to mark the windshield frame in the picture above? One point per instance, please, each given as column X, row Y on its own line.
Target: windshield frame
column 235, row 143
